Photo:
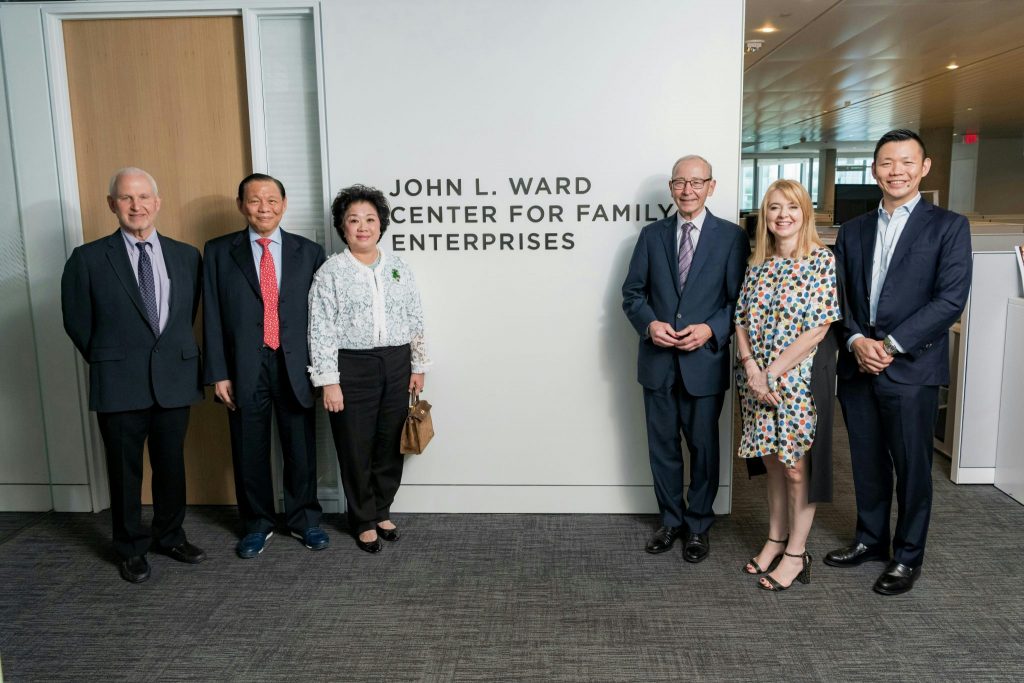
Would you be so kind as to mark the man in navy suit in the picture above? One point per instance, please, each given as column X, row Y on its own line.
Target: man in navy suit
column 680, row 294
column 129, row 301
column 906, row 271
column 255, row 318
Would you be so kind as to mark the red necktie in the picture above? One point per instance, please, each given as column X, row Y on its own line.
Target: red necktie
column 268, row 288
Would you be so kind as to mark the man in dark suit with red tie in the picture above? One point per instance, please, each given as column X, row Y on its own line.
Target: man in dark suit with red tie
column 680, row 295
column 129, row 301
column 906, row 273
column 255, row 319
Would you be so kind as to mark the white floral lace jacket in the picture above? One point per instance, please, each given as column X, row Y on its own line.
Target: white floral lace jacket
column 352, row 306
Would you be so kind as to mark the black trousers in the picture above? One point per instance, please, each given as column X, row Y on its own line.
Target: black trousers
column 250, row 452
column 367, row 433
column 671, row 410
column 891, row 430
column 124, row 434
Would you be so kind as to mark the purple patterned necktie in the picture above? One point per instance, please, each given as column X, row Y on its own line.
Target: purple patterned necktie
column 685, row 253
column 147, row 287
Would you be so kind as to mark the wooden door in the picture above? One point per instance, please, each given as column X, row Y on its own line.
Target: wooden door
column 166, row 95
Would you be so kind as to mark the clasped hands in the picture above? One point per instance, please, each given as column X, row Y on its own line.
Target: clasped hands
column 757, row 382
column 690, row 338
column 871, row 355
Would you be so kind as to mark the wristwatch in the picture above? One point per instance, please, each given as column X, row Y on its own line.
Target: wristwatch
column 890, row 346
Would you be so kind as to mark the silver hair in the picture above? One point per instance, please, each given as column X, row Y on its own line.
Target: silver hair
column 693, row 157
column 130, row 170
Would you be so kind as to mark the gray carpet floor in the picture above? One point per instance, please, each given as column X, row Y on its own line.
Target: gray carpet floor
column 516, row 598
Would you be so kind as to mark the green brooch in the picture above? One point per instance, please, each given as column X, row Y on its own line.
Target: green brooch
column 395, row 275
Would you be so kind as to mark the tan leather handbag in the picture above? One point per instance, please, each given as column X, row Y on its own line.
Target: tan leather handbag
column 419, row 427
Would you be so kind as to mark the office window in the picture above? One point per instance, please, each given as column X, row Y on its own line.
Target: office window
column 853, row 171
column 758, row 174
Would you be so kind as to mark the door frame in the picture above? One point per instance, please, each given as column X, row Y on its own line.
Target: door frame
column 53, row 18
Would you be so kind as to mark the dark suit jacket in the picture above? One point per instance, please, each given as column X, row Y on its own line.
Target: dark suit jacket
column 129, row 367
column 924, row 292
column 651, row 292
column 233, row 313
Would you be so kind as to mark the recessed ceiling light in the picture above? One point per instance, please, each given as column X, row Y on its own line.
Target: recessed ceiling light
column 767, row 28
column 952, row 65
column 970, row 108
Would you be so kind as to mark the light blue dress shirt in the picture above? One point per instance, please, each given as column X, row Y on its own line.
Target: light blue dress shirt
column 889, row 228
column 275, row 252
column 161, row 280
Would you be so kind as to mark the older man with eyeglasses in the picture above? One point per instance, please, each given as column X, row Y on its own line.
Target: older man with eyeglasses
column 680, row 294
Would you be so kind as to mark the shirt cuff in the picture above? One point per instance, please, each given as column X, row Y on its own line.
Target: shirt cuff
column 419, row 369
column 896, row 344
column 853, row 338
column 325, row 379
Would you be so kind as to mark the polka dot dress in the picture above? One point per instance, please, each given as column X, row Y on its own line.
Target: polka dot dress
column 780, row 300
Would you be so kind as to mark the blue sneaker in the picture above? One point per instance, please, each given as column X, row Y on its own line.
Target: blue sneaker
column 253, row 544
column 313, row 538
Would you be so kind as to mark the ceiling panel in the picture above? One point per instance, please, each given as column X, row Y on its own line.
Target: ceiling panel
column 844, row 70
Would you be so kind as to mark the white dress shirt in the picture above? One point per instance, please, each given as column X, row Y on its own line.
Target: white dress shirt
column 698, row 223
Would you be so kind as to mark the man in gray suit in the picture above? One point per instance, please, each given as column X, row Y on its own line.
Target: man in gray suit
column 129, row 301
column 680, row 294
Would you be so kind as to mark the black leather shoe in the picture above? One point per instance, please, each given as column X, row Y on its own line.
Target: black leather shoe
column 373, row 546
column 663, row 539
column 134, row 569
column 184, row 552
column 389, row 535
column 897, row 578
column 697, row 548
column 855, row 554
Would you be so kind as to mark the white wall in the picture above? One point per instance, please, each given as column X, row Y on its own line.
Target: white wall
column 537, row 407
column 24, row 473
column 1000, row 176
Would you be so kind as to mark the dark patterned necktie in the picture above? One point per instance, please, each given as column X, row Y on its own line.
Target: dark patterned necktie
column 685, row 253
column 147, row 287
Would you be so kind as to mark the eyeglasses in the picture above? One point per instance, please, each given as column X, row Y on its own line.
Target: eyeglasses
column 695, row 183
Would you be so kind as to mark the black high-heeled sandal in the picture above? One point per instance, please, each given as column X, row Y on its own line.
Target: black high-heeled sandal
column 803, row 577
column 771, row 565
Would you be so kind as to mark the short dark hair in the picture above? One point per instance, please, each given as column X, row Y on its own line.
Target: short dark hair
column 360, row 193
column 899, row 135
column 257, row 178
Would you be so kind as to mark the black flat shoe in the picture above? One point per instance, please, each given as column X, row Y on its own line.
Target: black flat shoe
column 896, row 579
column 184, row 552
column 697, row 548
column 803, row 577
column 134, row 569
column 752, row 562
column 373, row 546
column 853, row 555
column 663, row 539
column 389, row 535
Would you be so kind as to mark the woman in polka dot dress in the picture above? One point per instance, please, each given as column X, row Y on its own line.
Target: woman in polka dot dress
column 787, row 303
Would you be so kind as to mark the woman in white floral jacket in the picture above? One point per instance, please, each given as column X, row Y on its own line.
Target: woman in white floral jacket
column 368, row 352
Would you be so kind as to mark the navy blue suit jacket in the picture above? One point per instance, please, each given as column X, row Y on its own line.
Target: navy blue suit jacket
column 233, row 313
column 104, row 315
column 651, row 292
column 924, row 292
